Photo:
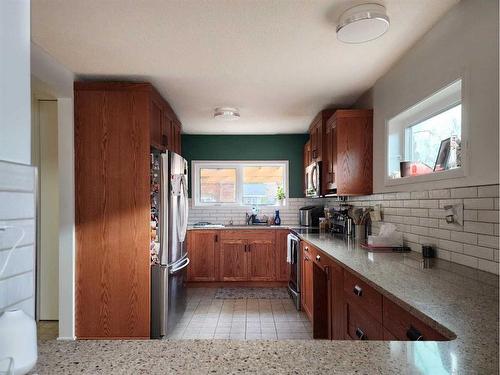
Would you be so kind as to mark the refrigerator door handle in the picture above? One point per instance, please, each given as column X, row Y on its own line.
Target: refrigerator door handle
column 183, row 210
column 164, row 224
column 176, row 269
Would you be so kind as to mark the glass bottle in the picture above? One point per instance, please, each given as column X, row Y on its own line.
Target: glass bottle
column 277, row 219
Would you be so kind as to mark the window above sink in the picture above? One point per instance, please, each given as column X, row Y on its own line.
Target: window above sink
column 238, row 183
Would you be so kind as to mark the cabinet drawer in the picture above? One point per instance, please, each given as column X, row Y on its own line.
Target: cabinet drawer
column 249, row 234
column 316, row 255
column 360, row 293
column 361, row 325
column 405, row 326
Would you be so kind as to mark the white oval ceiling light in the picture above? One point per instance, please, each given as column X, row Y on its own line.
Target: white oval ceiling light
column 227, row 113
column 362, row 23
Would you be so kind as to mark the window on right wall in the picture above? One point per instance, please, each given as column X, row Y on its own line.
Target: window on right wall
column 425, row 142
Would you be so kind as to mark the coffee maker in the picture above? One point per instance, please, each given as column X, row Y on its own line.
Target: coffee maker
column 341, row 223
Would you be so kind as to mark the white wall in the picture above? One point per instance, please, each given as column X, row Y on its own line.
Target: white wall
column 59, row 82
column 17, row 212
column 464, row 40
column 15, row 102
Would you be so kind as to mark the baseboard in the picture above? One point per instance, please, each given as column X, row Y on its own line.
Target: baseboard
column 237, row 284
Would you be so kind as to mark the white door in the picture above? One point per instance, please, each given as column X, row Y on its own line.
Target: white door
column 48, row 254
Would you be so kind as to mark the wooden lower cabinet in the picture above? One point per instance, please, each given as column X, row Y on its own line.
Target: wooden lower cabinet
column 282, row 267
column 361, row 325
column 404, row 326
column 261, row 258
column 233, row 260
column 203, row 250
column 306, row 292
column 356, row 310
column 237, row 255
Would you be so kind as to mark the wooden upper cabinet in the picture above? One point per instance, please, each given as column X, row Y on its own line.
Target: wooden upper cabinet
column 233, row 260
column 261, row 260
column 354, row 163
column 330, row 163
column 156, row 125
column 203, row 250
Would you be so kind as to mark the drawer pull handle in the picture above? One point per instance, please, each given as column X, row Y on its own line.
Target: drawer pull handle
column 414, row 334
column 306, row 249
column 358, row 290
column 318, row 258
column 361, row 335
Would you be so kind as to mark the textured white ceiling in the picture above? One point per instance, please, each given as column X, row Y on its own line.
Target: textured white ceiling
column 277, row 60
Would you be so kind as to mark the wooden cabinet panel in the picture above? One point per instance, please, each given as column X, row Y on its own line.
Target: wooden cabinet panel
column 360, row 293
column 112, row 210
column 361, row 325
column 203, row 251
column 355, row 154
column 405, row 326
column 282, row 267
column 330, row 164
column 156, row 127
column 177, row 137
column 166, row 131
column 338, row 318
column 306, row 292
column 261, row 260
column 233, row 260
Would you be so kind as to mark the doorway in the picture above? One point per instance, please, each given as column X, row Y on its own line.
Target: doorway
column 45, row 158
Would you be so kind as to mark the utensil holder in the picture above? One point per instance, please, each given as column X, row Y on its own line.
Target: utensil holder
column 360, row 231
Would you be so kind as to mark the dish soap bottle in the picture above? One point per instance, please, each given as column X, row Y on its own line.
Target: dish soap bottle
column 277, row 219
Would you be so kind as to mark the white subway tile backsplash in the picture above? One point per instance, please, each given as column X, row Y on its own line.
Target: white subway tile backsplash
column 488, row 191
column 478, row 227
column 419, row 195
column 478, row 251
column 490, row 241
column 421, row 217
column 464, row 237
column 488, row 266
column 439, row 194
column 479, row 204
column 489, row 216
column 465, row 192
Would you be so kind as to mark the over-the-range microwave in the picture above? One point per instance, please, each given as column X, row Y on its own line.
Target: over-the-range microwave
column 313, row 180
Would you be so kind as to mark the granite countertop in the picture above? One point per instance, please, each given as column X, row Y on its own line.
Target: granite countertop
column 458, row 301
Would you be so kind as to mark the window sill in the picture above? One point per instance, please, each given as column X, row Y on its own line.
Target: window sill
column 436, row 176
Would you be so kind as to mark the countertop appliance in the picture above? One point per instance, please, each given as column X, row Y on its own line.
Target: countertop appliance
column 309, row 215
column 293, row 257
column 341, row 223
column 313, row 180
column 169, row 219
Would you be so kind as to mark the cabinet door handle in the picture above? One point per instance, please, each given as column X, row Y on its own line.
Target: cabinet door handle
column 318, row 258
column 414, row 334
column 246, row 248
column 216, row 238
column 360, row 334
column 358, row 290
column 306, row 249
column 327, row 271
column 249, row 248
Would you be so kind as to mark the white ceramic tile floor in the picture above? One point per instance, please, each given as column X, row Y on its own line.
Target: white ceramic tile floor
column 240, row 319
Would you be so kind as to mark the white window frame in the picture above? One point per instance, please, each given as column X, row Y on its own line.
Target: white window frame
column 416, row 116
column 196, row 165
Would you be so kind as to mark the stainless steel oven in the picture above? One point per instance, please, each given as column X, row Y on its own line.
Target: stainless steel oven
column 293, row 257
column 313, row 180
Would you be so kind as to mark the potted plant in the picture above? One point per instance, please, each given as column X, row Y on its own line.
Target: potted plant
column 280, row 195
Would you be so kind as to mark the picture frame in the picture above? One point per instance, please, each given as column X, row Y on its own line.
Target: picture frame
column 442, row 156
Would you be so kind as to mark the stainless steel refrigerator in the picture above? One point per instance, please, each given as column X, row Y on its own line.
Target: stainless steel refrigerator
column 169, row 260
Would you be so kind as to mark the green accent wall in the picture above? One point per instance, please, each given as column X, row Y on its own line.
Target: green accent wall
column 250, row 147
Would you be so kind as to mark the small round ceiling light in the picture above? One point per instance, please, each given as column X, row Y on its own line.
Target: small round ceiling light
column 227, row 113
column 362, row 23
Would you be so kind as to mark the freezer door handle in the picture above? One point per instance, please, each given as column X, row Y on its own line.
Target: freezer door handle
column 178, row 268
